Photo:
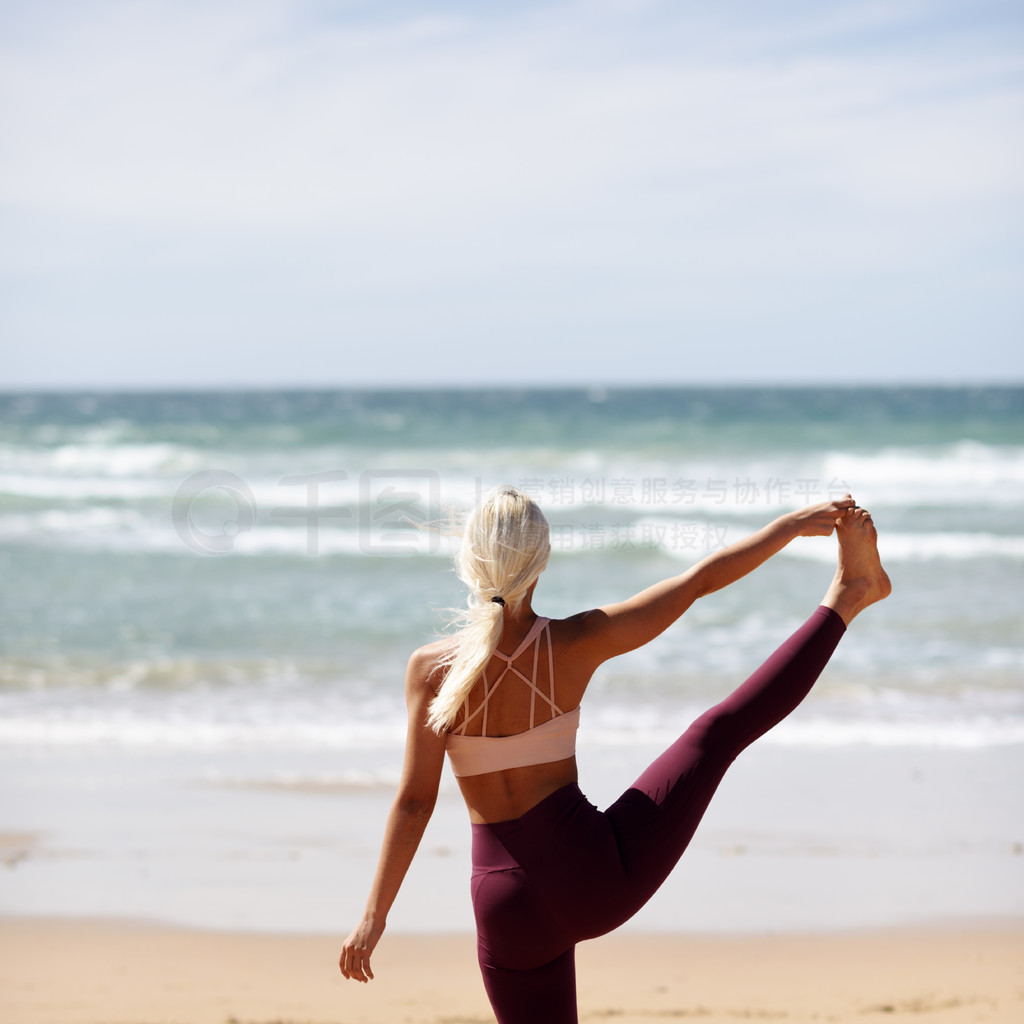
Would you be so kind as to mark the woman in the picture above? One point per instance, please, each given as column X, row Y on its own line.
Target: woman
column 549, row 869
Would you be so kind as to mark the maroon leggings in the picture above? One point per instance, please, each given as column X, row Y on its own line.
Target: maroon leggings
column 566, row 871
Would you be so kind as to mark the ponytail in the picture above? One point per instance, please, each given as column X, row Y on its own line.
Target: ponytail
column 505, row 547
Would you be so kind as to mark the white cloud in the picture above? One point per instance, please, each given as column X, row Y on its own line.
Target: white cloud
column 164, row 112
column 592, row 155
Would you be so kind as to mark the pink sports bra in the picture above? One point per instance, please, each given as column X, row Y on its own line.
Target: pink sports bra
column 553, row 740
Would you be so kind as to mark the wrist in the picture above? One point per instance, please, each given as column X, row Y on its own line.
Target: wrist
column 789, row 525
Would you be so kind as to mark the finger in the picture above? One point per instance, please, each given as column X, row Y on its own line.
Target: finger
column 349, row 965
column 356, row 967
column 361, row 967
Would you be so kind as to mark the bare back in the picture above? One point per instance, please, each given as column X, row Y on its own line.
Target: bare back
column 511, row 792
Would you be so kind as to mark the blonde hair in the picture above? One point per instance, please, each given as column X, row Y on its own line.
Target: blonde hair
column 505, row 547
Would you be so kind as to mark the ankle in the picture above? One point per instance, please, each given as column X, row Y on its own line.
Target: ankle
column 847, row 598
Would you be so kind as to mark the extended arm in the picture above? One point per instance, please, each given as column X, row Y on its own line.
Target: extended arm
column 410, row 812
column 617, row 628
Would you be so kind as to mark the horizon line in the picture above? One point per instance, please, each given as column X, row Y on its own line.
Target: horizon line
column 595, row 386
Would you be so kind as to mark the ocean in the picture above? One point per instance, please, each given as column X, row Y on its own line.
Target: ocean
column 209, row 598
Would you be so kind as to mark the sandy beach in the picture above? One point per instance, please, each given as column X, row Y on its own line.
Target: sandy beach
column 89, row 971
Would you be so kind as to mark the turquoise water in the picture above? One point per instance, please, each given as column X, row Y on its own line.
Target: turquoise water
column 253, row 568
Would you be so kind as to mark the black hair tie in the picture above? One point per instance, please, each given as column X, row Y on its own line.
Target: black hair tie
column 498, row 600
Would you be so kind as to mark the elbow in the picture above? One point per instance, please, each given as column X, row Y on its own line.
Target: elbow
column 418, row 806
column 706, row 581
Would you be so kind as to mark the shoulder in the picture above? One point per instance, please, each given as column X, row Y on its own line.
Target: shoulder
column 426, row 668
column 579, row 628
column 577, row 634
column 592, row 637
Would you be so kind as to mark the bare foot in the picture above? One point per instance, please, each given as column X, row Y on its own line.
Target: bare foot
column 860, row 580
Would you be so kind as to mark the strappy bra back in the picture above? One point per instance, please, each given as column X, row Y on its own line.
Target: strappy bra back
column 552, row 740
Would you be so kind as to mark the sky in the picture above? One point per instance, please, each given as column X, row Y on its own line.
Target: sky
column 210, row 193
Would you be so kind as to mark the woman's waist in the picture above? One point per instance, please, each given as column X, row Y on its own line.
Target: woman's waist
column 511, row 793
column 500, row 845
